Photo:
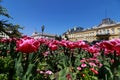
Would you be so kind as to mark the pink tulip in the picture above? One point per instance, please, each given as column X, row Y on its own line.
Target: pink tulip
column 117, row 48
column 70, row 45
column 53, row 47
column 81, row 44
column 63, row 43
column 93, row 49
column 27, row 45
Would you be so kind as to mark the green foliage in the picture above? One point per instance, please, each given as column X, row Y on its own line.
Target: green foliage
column 62, row 75
column 3, row 12
column 6, row 66
column 3, row 76
column 105, row 73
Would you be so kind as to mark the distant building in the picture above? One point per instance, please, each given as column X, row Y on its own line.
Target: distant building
column 37, row 35
column 106, row 30
column 3, row 35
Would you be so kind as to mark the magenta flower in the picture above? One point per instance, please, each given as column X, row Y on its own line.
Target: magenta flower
column 117, row 48
column 27, row 45
column 93, row 49
column 53, row 47
column 63, row 43
column 70, row 45
column 81, row 44
column 107, row 45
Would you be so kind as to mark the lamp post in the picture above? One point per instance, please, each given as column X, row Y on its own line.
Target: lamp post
column 42, row 28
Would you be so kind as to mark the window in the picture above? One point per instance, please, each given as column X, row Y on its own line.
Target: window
column 97, row 32
column 119, row 30
column 108, row 31
column 103, row 31
column 113, row 31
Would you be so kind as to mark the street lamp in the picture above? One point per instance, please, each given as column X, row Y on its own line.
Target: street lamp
column 42, row 28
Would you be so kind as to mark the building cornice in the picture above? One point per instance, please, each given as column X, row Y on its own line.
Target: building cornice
column 96, row 28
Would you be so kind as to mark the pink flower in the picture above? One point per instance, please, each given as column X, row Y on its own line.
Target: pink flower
column 93, row 49
column 100, row 65
column 4, row 40
column 92, row 64
column 68, row 76
column 42, row 40
column 63, row 43
column 53, row 47
column 79, row 68
column 112, row 61
column 45, row 53
column 117, row 48
column 81, row 44
column 70, row 45
column 49, row 72
column 83, row 65
column 107, row 44
column 83, row 60
column 27, row 45
column 41, row 72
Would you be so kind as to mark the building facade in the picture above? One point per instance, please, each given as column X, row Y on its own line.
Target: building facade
column 106, row 30
column 37, row 35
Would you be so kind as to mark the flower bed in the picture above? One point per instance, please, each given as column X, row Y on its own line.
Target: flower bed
column 44, row 59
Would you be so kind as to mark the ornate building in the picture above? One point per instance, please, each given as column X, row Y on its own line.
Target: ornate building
column 106, row 30
column 37, row 35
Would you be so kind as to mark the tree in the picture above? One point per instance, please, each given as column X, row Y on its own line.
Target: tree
column 3, row 12
column 8, row 28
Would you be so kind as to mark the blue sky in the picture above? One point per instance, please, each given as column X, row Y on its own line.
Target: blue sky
column 60, row 15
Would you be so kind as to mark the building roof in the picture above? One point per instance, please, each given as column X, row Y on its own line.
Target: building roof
column 44, row 34
column 104, row 23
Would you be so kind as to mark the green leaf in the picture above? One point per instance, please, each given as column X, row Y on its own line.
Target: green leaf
column 28, row 73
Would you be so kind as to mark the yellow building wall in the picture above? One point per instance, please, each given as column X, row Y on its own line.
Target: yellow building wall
column 90, row 35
